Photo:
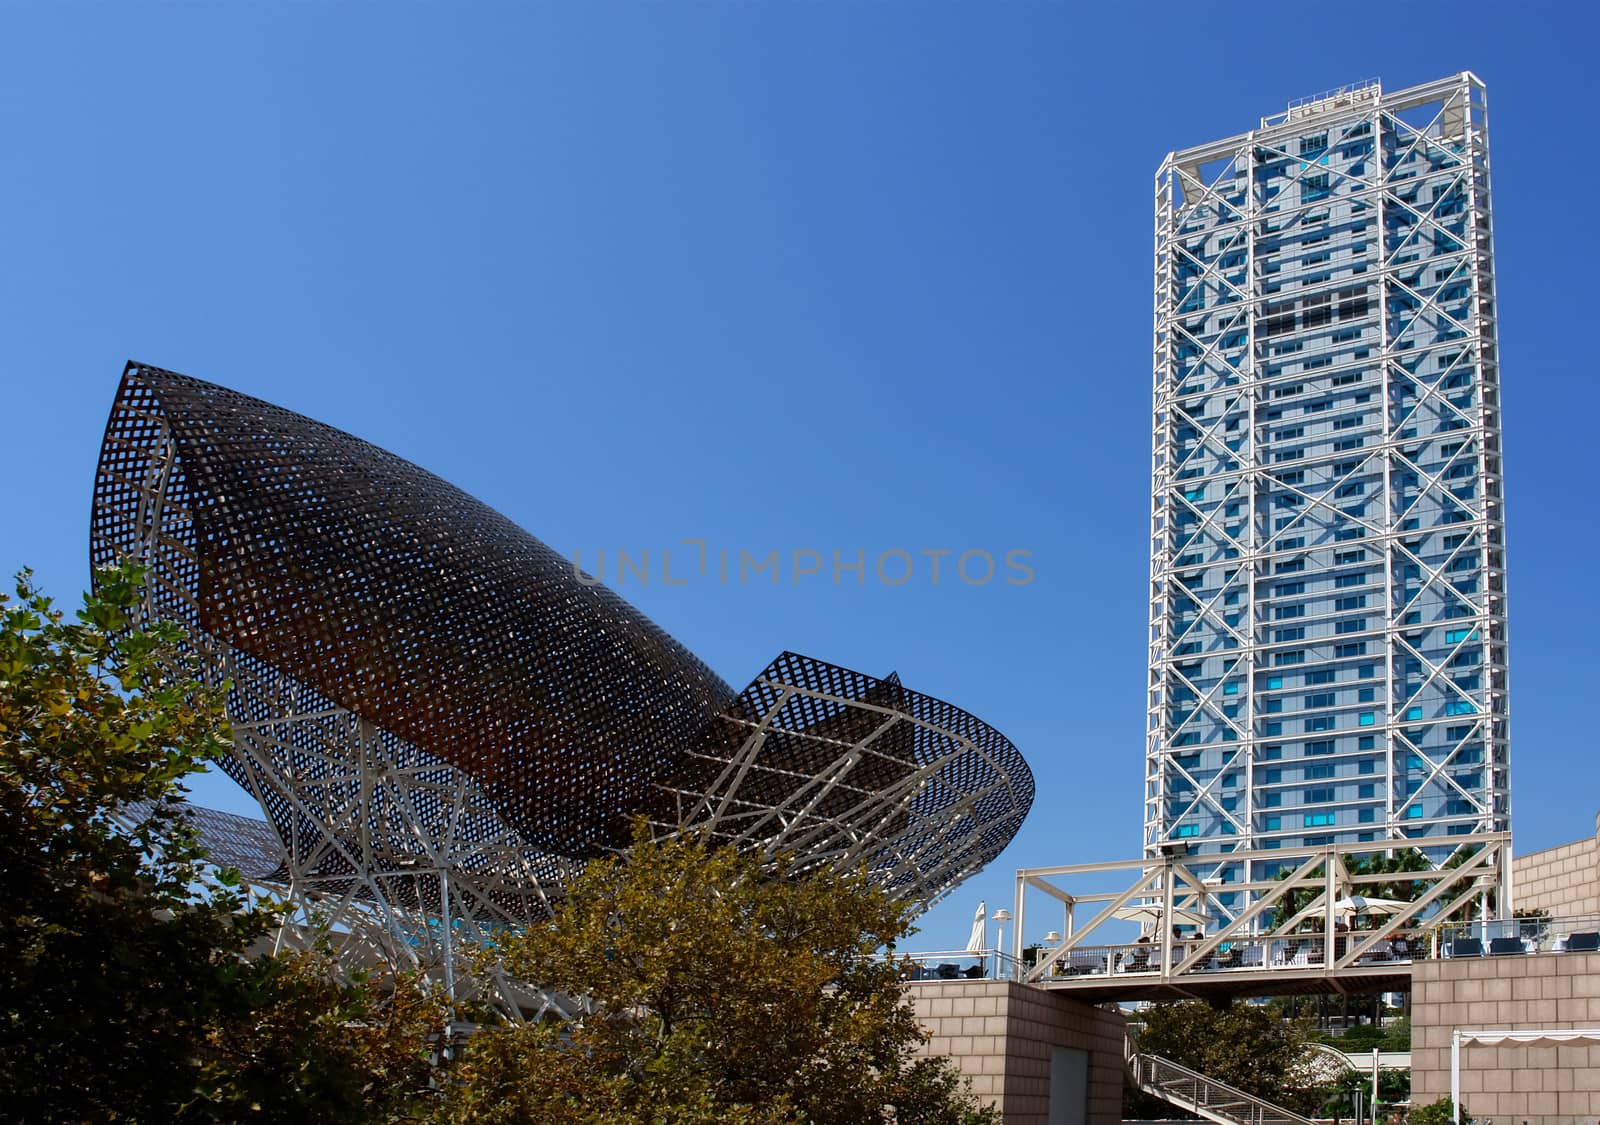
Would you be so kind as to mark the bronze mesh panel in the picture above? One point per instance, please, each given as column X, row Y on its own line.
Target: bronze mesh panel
column 409, row 603
column 336, row 583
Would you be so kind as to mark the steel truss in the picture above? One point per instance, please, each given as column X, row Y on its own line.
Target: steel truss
column 405, row 838
column 1352, row 232
column 392, row 853
column 843, row 768
column 1289, row 938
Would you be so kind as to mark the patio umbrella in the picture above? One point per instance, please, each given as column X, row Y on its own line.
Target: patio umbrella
column 1152, row 913
column 1359, row 904
column 980, row 939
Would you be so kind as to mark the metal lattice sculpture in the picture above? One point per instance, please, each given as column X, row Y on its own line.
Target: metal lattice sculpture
column 441, row 719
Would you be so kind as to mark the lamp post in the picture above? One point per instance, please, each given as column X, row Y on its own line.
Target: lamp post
column 1051, row 940
column 1001, row 917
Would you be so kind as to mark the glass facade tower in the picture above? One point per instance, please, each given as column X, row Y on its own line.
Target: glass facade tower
column 1327, row 598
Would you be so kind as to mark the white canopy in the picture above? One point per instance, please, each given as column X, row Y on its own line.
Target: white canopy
column 1491, row 1036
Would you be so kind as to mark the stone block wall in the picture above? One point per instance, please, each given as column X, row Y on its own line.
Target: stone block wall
column 1000, row 1035
column 1555, row 1084
column 1564, row 880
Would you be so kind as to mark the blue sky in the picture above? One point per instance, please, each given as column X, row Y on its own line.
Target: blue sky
column 778, row 274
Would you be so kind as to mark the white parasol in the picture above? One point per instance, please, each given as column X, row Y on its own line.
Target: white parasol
column 979, row 940
column 1152, row 913
column 1359, row 904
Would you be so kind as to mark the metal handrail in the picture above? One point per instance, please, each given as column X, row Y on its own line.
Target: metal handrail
column 1535, row 933
column 963, row 964
column 1217, row 1101
column 1289, row 907
column 1239, row 956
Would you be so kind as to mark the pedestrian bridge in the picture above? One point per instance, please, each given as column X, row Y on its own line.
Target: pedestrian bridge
column 1246, row 923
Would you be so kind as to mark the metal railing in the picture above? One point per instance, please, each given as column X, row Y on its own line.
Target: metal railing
column 1317, row 908
column 1241, row 954
column 1368, row 89
column 962, row 964
column 1494, row 937
column 1216, row 1101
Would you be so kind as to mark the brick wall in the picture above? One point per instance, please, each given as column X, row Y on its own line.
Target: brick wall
column 1000, row 1035
column 1557, row 1084
column 1563, row 880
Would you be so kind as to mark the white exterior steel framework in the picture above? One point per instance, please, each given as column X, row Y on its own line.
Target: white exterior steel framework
column 1327, row 595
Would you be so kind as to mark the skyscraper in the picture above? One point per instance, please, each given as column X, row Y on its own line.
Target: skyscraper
column 1327, row 598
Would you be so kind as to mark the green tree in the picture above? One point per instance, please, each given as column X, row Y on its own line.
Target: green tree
column 1247, row 1046
column 1394, row 1086
column 1472, row 909
column 126, row 992
column 109, row 956
column 1436, row 1113
column 295, row 1043
column 718, row 990
column 1398, row 862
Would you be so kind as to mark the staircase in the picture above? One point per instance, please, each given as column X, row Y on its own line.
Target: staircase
column 1215, row 1101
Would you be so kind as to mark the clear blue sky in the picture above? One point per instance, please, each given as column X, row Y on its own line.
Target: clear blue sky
column 793, row 274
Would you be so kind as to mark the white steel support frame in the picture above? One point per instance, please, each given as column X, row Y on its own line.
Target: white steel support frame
column 390, row 847
column 940, row 845
column 1305, row 942
column 1426, row 265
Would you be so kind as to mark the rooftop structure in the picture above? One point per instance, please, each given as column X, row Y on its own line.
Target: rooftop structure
column 1327, row 598
column 441, row 718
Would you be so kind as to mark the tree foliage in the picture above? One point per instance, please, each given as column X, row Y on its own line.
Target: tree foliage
column 297, row 1043
column 718, row 990
column 133, row 986
column 1473, row 907
column 127, row 991
column 109, row 959
column 1245, row 1045
column 1395, row 1035
column 1398, row 863
column 1437, row 1113
column 1338, row 1097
